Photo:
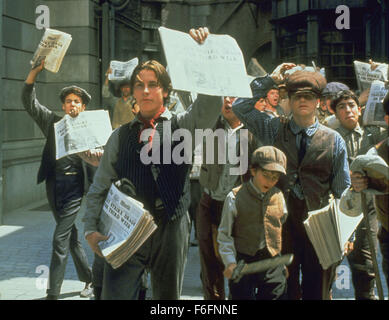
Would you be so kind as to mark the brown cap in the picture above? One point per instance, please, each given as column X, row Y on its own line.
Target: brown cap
column 269, row 158
column 301, row 81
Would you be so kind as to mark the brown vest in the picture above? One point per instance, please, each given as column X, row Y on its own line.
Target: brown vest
column 250, row 211
column 382, row 201
column 315, row 169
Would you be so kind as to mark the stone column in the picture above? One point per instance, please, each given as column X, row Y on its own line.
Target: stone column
column 312, row 38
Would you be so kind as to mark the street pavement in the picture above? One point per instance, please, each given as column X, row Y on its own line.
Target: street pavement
column 25, row 252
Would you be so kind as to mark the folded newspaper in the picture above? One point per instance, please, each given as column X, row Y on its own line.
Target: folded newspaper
column 374, row 112
column 52, row 48
column 89, row 130
column 122, row 70
column 127, row 224
column 329, row 229
column 365, row 75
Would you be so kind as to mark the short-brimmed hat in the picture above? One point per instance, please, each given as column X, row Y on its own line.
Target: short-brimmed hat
column 332, row 88
column 305, row 81
column 83, row 94
column 269, row 158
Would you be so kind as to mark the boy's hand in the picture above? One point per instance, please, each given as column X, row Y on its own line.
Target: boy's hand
column 278, row 74
column 229, row 270
column 34, row 72
column 348, row 247
column 93, row 240
column 199, row 34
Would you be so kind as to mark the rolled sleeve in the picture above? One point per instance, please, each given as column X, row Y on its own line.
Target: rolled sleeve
column 105, row 175
column 341, row 172
column 225, row 240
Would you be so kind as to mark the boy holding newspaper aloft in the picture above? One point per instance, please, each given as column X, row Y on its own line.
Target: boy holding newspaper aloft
column 64, row 182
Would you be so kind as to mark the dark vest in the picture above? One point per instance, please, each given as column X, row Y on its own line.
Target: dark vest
column 47, row 166
column 252, row 214
column 169, row 182
column 315, row 169
column 382, row 201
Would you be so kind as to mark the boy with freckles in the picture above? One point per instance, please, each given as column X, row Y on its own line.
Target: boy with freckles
column 251, row 227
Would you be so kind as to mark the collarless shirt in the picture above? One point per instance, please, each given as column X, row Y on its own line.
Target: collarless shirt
column 226, row 180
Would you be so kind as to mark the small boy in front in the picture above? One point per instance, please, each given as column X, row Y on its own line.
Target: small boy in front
column 251, row 227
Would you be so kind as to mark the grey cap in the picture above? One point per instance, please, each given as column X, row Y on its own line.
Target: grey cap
column 334, row 87
column 269, row 158
column 371, row 165
column 82, row 93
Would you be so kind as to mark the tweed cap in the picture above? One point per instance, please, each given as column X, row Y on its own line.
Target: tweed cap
column 83, row 94
column 333, row 88
column 269, row 158
column 302, row 81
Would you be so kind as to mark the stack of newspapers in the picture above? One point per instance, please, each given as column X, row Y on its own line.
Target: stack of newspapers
column 329, row 229
column 127, row 224
column 52, row 48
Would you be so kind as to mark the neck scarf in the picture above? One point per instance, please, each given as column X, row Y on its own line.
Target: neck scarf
column 150, row 123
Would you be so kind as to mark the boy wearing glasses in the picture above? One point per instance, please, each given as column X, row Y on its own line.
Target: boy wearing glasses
column 251, row 227
column 317, row 166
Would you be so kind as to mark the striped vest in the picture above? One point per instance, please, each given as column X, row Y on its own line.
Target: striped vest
column 169, row 182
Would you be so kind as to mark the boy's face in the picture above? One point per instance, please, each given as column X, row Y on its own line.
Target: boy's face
column 148, row 93
column 303, row 104
column 264, row 180
column 260, row 104
column 73, row 105
column 347, row 112
column 227, row 112
column 272, row 97
column 126, row 90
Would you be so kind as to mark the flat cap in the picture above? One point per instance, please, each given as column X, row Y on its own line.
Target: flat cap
column 334, row 87
column 301, row 80
column 269, row 158
column 83, row 94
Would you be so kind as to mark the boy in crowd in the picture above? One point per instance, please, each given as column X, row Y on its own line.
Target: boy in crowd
column 358, row 140
column 317, row 166
column 251, row 227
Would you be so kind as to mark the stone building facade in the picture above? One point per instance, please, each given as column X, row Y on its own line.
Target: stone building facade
column 271, row 31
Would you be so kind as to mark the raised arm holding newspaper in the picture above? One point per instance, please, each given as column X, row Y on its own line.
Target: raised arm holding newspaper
column 162, row 186
column 64, row 181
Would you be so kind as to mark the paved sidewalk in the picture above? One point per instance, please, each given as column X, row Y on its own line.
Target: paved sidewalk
column 25, row 252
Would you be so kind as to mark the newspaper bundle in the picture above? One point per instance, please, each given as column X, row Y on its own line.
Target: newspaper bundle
column 122, row 70
column 366, row 76
column 52, row 48
column 89, row 130
column 329, row 229
column 374, row 112
column 127, row 224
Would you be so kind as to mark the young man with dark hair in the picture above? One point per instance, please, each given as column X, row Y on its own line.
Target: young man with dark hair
column 317, row 166
column 64, row 183
column 162, row 187
column 358, row 140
